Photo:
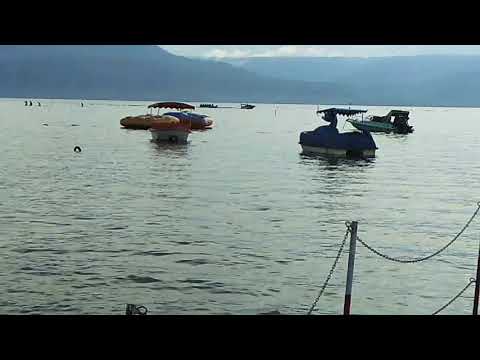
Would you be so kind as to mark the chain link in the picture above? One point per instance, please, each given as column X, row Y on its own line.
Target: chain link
column 409, row 261
column 331, row 270
column 455, row 297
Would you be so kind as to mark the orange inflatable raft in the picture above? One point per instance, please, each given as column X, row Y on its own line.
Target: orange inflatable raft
column 141, row 122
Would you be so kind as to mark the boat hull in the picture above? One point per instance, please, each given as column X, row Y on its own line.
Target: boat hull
column 328, row 141
column 374, row 126
column 171, row 136
column 337, row 152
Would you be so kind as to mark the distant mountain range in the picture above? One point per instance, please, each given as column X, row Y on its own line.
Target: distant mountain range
column 143, row 73
column 150, row 73
column 440, row 80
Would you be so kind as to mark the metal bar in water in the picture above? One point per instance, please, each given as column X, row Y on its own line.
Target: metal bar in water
column 351, row 264
column 477, row 285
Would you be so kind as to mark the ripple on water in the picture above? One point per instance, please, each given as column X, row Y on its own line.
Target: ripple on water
column 126, row 220
column 142, row 279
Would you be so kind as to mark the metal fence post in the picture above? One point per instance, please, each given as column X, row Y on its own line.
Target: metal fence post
column 477, row 285
column 351, row 263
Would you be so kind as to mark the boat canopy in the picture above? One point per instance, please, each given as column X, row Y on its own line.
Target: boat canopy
column 399, row 113
column 345, row 112
column 171, row 105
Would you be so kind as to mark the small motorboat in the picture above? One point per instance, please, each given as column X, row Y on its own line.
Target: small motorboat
column 399, row 124
column 247, row 106
column 170, row 129
column 144, row 122
column 198, row 121
column 328, row 141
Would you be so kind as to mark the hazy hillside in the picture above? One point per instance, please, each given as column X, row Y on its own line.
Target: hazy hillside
column 403, row 80
column 144, row 73
column 151, row 73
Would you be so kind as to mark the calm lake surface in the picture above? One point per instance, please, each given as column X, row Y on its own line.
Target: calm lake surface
column 235, row 222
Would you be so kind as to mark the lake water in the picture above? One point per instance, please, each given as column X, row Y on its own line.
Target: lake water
column 235, row 222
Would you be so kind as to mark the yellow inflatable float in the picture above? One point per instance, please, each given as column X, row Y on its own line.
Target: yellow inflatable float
column 142, row 122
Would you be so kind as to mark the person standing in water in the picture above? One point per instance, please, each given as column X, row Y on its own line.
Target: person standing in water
column 30, row 102
column 39, row 104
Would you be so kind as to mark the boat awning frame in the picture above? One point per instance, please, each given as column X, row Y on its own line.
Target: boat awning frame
column 344, row 112
column 171, row 105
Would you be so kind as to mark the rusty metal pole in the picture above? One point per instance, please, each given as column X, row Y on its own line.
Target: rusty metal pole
column 351, row 263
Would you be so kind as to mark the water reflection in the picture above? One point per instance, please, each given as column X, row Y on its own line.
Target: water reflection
column 335, row 163
column 398, row 137
column 172, row 151
column 335, row 176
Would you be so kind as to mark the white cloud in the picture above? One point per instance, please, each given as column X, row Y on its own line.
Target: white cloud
column 285, row 50
column 237, row 51
column 223, row 53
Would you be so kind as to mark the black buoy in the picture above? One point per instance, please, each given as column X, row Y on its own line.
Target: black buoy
column 173, row 139
column 77, row 149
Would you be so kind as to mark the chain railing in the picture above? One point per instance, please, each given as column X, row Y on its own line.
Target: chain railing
column 472, row 281
column 409, row 261
column 332, row 269
column 404, row 260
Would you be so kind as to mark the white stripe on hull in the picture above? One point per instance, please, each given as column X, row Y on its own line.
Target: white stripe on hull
column 175, row 136
column 334, row 152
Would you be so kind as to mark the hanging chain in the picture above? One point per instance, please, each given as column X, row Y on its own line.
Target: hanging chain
column 331, row 270
column 409, row 261
column 456, row 296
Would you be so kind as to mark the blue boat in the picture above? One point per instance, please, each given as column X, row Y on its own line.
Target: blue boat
column 328, row 140
column 197, row 121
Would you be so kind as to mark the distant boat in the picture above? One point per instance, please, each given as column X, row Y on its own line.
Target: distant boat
column 328, row 141
column 209, row 106
column 247, row 106
column 398, row 125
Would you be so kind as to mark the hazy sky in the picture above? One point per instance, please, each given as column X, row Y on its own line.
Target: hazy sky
column 219, row 51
